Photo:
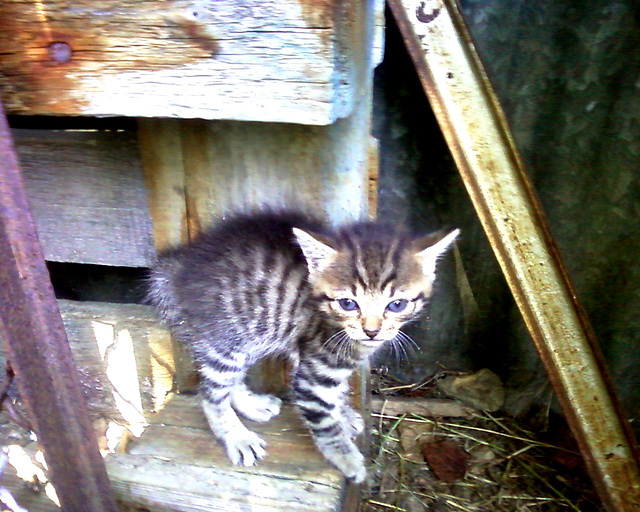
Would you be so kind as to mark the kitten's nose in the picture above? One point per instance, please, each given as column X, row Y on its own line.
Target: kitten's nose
column 372, row 333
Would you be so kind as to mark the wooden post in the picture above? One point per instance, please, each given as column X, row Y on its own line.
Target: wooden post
column 161, row 154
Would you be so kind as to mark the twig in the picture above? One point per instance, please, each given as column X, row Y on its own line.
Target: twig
column 386, row 505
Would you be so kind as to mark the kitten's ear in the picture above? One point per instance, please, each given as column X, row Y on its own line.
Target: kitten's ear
column 319, row 254
column 436, row 245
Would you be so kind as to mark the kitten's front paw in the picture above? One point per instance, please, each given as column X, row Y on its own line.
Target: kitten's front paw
column 244, row 448
column 353, row 422
column 257, row 407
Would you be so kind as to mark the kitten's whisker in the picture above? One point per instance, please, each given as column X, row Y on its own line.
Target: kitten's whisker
column 401, row 348
column 337, row 338
column 399, row 352
column 334, row 336
column 403, row 337
column 394, row 350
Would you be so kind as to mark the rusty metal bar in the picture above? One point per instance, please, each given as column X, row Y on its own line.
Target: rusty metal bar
column 476, row 131
column 33, row 332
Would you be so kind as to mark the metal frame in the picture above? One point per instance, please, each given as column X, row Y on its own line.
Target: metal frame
column 476, row 131
column 34, row 335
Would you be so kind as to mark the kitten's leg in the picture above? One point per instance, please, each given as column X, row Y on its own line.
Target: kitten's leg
column 220, row 376
column 352, row 419
column 254, row 406
column 320, row 395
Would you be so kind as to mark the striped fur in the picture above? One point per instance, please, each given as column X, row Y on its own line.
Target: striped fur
column 267, row 283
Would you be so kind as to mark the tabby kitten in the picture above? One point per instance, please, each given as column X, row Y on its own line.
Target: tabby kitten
column 276, row 283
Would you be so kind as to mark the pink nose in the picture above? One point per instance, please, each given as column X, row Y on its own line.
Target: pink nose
column 372, row 333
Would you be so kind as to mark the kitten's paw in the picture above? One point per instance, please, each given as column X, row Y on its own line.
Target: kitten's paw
column 244, row 448
column 348, row 460
column 351, row 465
column 353, row 422
column 257, row 407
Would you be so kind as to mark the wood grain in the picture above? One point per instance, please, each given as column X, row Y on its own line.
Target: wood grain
column 123, row 355
column 177, row 465
column 288, row 61
column 161, row 154
column 87, row 194
column 163, row 162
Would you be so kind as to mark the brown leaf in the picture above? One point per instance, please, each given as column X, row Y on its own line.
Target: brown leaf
column 446, row 459
column 412, row 436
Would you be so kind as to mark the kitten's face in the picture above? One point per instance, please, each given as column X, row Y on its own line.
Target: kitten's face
column 372, row 281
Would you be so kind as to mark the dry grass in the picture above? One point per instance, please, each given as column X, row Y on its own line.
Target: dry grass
column 508, row 470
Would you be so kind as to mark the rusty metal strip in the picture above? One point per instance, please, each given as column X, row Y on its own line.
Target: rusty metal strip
column 33, row 332
column 476, row 131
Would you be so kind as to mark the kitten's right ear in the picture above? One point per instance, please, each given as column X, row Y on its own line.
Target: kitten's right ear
column 436, row 245
column 318, row 254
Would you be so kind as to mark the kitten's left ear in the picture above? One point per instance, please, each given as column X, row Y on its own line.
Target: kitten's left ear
column 318, row 253
column 436, row 245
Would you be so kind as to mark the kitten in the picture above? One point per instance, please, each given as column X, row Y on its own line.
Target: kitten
column 269, row 283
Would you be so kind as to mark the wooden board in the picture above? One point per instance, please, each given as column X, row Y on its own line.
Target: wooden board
column 275, row 60
column 88, row 196
column 124, row 357
column 178, row 466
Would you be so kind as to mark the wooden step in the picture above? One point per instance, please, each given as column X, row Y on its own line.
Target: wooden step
column 177, row 465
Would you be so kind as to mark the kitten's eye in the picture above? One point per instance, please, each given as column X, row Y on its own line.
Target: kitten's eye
column 348, row 304
column 397, row 305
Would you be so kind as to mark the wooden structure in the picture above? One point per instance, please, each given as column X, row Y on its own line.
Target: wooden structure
column 270, row 104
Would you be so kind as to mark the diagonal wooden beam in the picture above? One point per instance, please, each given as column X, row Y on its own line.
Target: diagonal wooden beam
column 476, row 131
column 34, row 335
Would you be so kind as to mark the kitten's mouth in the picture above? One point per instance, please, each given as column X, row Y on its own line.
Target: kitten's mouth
column 371, row 343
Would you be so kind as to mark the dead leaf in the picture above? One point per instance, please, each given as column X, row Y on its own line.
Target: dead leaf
column 412, row 436
column 446, row 459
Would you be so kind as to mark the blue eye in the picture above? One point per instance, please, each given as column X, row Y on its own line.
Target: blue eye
column 348, row 304
column 397, row 305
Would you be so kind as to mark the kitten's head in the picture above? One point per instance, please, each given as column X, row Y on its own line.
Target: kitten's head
column 370, row 279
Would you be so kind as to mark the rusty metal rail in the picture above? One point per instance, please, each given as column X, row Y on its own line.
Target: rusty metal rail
column 33, row 332
column 476, row 131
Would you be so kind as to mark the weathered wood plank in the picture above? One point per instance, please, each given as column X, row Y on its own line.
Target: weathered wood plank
column 87, row 194
column 178, row 466
column 161, row 155
column 271, row 60
column 156, row 485
column 123, row 355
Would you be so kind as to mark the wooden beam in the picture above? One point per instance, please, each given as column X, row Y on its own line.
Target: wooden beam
column 162, row 160
column 232, row 165
column 177, row 465
column 87, row 194
column 124, row 358
column 285, row 60
column 161, row 154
